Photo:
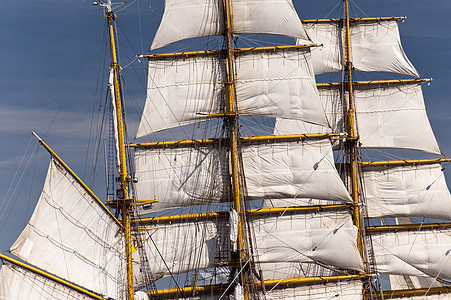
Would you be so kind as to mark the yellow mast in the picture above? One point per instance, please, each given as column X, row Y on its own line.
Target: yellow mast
column 123, row 193
column 243, row 256
column 352, row 137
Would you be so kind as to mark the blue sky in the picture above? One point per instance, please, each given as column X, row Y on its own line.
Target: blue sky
column 52, row 72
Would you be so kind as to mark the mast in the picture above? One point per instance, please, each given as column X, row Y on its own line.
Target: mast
column 243, row 255
column 352, row 137
column 123, row 192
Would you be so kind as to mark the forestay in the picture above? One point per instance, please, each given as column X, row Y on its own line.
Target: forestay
column 198, row 18
column 326, row 237
column 268, row 84
column 71, row 236
column 375, row 47
column 410, row 191
column 414, row 253
column 18, row 283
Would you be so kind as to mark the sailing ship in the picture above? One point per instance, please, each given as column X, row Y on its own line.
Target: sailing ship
column 295, row 213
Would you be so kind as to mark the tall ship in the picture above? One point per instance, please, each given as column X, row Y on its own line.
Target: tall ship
column 294, row 179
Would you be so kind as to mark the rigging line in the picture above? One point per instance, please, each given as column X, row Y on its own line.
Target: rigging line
column 125, row 7
column 336, row 9
column 31, row 188
column 70, row 87
column 100, row 82
column 167, row 267
column 97, row 145
column 236, row 276
column 140, row 27
column 24, row 173
column 16, row 173
column 355, row 5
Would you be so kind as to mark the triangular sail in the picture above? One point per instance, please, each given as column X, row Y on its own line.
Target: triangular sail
column 18, row 283
column 71, row 236
column 198, row 18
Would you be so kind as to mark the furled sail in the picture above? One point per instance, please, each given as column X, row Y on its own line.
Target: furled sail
column 411, row 191
column 381, row 112
column 71, row 236
column 268, row 84
column 18, row 283
column 375, row 47
column 415, row 253
column 329, row 238
column 189, row 19
column 289, row 202
column 191, row 176
column 293, row 270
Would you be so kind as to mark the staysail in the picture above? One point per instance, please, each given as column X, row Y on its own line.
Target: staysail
column 71, row 236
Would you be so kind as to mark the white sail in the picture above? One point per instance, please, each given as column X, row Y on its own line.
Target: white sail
column 290, row 202
column 301, row 169
column 384, row 111
column 332, row 104
column 187, row 246
column 278, row 84
column 17, row 284
column 400, row 282
column 71, row 236
column 375, row 46
column 411, row 191
column 327, row 237
column 190, row 176
column 346, row 290
column 182, row 247
column 181, row 176
column 269, row 84
column 198, row 18
column 414, row 253
column 381, row 113
column 281, row 270
column 182, row 91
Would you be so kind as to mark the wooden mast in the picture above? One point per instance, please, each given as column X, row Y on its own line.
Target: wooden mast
column 232, row 118
column 352, row 137
column 123, row 192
